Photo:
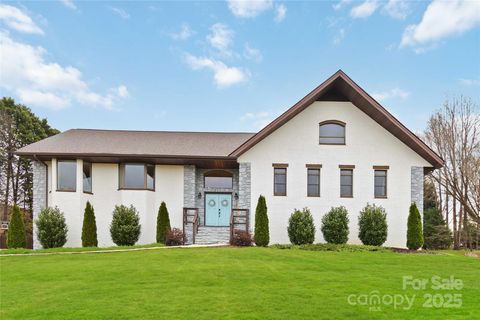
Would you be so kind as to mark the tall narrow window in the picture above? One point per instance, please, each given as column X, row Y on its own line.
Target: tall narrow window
column 332, row 132
column 346, row 181
column 380, row 183
column 67, row 175
column 313, row 180
column 87, row 177
column 280, row 180
column 150, row 170
column 137, row 176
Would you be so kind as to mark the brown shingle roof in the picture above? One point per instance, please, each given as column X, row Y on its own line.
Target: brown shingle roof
column 229, row 146
column 142, row 143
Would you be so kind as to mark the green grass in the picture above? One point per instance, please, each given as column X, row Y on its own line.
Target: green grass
column 77, row 249
column 227, row 283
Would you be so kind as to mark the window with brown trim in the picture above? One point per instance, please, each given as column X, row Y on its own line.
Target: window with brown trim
column 137, row 176
column 332, row 132
column 67, row 175
column 280, row 181
column 346, row 183
column 380, row 183
column 313, row 182
column 219, row 179
column 87, row 177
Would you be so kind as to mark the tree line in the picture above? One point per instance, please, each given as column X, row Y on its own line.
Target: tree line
column 19, row 126
column 454, row 133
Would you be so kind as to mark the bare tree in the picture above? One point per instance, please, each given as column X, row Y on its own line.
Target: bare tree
column 8, row 144
column 18, row 127
column 454, row 133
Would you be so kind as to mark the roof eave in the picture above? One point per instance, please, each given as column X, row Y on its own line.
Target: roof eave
column 427, row 153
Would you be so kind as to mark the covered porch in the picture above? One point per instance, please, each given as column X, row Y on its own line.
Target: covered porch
column 216, row 202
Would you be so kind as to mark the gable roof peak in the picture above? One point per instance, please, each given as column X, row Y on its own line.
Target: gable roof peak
column 340, row 82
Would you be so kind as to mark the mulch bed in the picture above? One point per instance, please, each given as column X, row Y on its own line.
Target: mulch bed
column 403, row 250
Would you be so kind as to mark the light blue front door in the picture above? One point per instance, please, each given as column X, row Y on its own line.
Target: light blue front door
column 218, row 208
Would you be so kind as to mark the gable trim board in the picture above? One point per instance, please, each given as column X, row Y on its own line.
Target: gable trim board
column 346, row 87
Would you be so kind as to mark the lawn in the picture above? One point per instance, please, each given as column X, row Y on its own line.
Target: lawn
column 77, row 249
column 230, row 283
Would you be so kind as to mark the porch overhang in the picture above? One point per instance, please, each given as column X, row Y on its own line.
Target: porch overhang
column 213, row 162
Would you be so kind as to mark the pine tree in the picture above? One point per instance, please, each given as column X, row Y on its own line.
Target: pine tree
column 163, row 223
column 16, row 230
column 262, row 235
column 89, row 229
column 414, row 231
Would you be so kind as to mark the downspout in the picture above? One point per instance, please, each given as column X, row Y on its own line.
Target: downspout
column 46, row 178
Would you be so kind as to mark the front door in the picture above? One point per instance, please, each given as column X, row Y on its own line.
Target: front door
column 218, row 207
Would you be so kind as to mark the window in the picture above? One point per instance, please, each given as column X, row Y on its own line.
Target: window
column 150, row 169
column 346, row 181
column 280, row 180
column 137, row 176
column 87, row 177
column 313, row 180
column 67, row 175
column 218, row 179
column 332, row 132
column 380, row 183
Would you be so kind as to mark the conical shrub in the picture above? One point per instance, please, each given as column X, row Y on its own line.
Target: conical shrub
column 16, row 230
column 262, row 235
column 163, row 223
column 89, row 229
column 414, row 231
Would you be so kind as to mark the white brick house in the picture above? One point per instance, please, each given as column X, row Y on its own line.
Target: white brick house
column 336, row 146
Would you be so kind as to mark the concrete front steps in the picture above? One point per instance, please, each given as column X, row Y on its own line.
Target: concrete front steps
column 212, row 235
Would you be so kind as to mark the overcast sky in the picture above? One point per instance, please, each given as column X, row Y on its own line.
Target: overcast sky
column 233, row 65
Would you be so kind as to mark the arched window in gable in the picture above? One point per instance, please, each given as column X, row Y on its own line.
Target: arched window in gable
column 332, row 132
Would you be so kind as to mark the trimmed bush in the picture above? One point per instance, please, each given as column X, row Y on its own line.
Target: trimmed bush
column 163, row 223
column 436, row 234
column 414, row 229
column 372, row 224
column 262, row 234
column 89, row 229
column 241, row 238
column 174, row 237
column 125, row 226
column 335, row 225
column 16, row 236
column 301, row 229
column 52, row 228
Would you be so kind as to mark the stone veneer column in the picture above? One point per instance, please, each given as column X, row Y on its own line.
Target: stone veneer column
column 244, row 188
column 189, row 186
column 416, row 184
column 39, row 195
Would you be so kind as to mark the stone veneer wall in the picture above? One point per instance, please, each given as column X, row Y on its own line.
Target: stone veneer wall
column 416, row 184
column 194, row 183
column 39, row 195
column 189, row 194
column 200, row 203
column 244, row 201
